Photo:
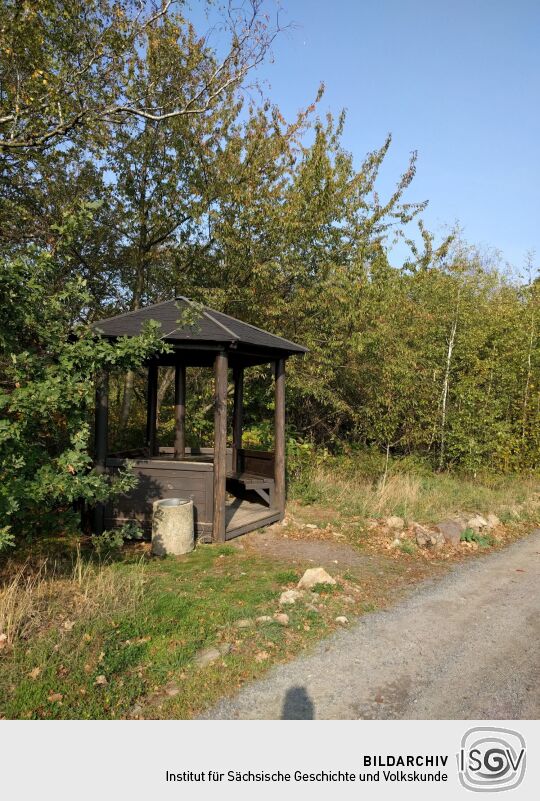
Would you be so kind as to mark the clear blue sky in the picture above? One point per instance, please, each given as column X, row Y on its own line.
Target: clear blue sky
column 456, row 81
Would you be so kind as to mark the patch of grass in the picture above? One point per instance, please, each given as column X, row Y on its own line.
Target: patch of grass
column 483, row 540
column 287, row 577
column 325, row 589
column 413, row 492
column 35, row 597
column 408, row 546
column 225, row 550
column 508, row 516
column 116, row 639
column 308, row 493
column 104, row 640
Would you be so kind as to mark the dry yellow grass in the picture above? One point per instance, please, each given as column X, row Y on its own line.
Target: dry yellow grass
column 36, row 595
column 425, row 498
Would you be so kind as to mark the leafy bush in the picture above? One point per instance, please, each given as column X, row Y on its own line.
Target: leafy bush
column 47, row 395
column 113, row 539
column 483, row 540
column 303, row 459
column 259, row 436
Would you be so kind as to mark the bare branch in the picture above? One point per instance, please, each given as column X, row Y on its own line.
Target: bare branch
column 85, row 95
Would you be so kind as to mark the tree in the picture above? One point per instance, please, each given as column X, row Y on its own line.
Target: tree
column 79, row 65
column 46, row 395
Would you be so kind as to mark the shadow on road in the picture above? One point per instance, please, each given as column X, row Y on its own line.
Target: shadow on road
column 297, row 705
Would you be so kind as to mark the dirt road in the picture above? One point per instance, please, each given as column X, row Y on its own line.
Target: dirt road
column 466, row 646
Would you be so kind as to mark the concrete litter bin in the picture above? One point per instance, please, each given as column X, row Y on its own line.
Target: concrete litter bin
column 172, row 527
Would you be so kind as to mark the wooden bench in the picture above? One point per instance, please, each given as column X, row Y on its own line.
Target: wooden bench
column 262, row 485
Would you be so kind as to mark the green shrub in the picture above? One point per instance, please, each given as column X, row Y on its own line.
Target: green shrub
column 325, row 589
column 287, row 577
column 113, row 539
column 407, row 546
column 47, row 395
column 483, row 540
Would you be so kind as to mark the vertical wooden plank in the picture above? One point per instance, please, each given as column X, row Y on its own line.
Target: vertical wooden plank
column 220, row 446
column 238, row 415
column 151, row 408
column 180, row 411
column 279, row 436
column 100, row 445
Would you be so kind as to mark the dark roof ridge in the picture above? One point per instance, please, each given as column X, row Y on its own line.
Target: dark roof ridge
column 228, row 330
column 262, row 331
column 242, row 322
column 133, row 311
column 215, row 326
column 205, row 310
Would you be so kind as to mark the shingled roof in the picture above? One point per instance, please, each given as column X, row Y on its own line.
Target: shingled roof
column 210, row 326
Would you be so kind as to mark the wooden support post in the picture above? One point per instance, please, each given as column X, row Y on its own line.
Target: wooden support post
column 180, row 411
column 279, row 437
column 220, row 446
column 151, row 408
column 100, row 445
column 238, row 415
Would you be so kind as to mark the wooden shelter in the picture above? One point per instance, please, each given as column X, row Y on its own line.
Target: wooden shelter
column 234, row 490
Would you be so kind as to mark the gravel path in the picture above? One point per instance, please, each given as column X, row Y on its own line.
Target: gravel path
column 466, row 646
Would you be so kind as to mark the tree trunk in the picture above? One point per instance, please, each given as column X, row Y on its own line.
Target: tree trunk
column 164, row 385
column 101, row 441
column 141, row 256
column 129, row 380
column 446, row 383
column 180, row 411
column 527, row 381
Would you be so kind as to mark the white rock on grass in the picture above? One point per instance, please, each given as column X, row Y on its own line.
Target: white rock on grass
column 395, row 523
column 477, row 522
column 290, row 597
column 313, row 576
column 493, row 521
column 206, row 657
column 281, row 618
column 244, row 623
column 428, row 539
column 342, row 620
column 263, row 619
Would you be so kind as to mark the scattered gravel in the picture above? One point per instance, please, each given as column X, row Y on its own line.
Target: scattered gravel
column 466, row 646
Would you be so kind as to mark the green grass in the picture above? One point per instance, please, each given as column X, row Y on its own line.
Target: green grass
column 287, row 577
column 346, row 485
column 408, row 546
column 116, row 639
column 325, row 589
column 147, row 623
column 483, row 540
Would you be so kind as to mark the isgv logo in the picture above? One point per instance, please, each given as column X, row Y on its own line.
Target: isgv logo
column 491, row 759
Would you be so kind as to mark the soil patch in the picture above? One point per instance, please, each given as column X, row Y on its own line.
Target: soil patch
column 334, row 556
